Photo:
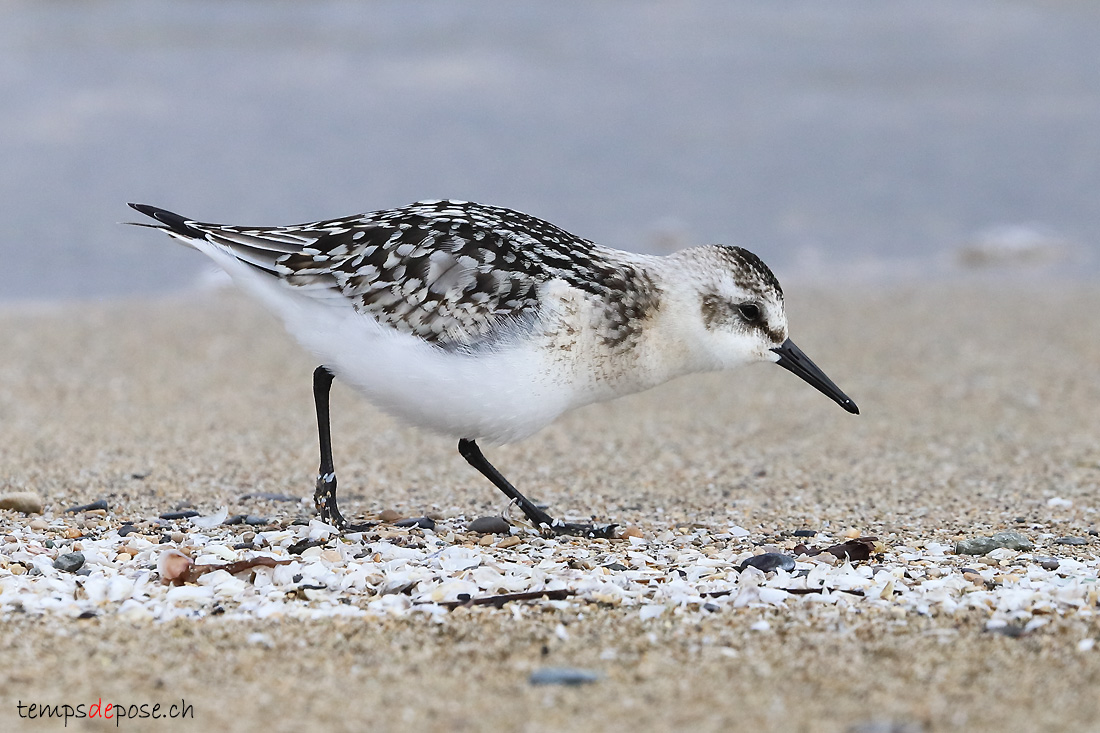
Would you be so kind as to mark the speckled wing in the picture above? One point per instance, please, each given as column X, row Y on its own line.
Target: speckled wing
column 453, row 273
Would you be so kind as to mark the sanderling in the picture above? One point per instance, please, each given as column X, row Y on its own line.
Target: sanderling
column 483, row 323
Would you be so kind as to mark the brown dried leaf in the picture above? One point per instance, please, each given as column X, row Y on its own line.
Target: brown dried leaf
column 856, row 550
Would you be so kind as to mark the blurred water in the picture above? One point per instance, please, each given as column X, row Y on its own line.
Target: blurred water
column 831, row 138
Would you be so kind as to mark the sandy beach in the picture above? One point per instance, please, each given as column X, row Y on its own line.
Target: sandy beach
column 979, row 405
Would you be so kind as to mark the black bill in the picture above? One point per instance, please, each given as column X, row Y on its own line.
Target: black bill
column 793, row 360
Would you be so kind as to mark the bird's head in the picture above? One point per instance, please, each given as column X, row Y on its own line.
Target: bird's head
column 742, row 317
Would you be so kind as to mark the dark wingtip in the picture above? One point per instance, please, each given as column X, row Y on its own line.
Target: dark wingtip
column 172, row 222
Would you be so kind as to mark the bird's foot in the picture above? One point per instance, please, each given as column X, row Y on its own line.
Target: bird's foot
column 551, row 527
column 324, row 498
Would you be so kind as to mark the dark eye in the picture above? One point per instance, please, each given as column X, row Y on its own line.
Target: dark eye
column 749, row 311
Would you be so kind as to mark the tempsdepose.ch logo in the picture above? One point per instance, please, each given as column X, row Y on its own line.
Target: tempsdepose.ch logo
column 106, row 711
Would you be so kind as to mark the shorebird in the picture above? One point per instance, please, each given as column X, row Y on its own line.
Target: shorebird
column 483, row 323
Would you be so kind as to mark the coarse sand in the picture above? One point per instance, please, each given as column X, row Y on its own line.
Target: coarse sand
column 981, row 413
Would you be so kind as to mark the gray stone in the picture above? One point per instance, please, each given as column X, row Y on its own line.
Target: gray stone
column 421, row 522
column 985, row 545
column 1071, row 541
column 70, row 562
column 489, row 525
column 563, row 676
column 27, row 502
column 97, row 504
column 1048, row 563
column 769, row 561
column 975, row 546
column 253, row 520
column 185, row 514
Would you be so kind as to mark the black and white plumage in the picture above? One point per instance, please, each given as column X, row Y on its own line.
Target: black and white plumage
column 452, row 273
column 485, row 323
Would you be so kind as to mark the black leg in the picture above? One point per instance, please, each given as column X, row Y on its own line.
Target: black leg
column 325, row 495
column 472, row 453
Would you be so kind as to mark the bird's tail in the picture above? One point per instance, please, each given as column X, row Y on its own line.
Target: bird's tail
column 174, row 224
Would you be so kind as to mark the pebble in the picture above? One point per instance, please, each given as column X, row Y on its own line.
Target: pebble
column 805, row 533
column 185, row 514
column 421, row 522
column 253, row 520
column 983, row 545
column 97, row 504
column 631, row 531
column 389, row 515
column 27, row 502
column 70, row 562
column 72, row 533
column 489, row 525
column 172, row 564
column 302, row 545
column 569, row 676
column 680, row 568
column 769, row 561
column 1071, row 541
column 39, row 524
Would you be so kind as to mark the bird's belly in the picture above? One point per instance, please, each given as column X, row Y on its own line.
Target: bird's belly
column 498, row 396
